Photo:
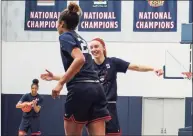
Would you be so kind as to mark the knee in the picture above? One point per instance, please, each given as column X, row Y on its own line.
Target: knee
column 22, row 133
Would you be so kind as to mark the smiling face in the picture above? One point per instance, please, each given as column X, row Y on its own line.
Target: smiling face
column 97, row 49
column 34, row 89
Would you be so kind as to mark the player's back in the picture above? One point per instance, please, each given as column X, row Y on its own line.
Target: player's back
column 68, row 41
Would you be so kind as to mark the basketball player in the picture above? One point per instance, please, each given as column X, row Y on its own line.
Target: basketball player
column 31, row 120
column 86, row 102
column 107, row 69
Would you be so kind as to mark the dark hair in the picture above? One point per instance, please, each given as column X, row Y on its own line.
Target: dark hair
column 71, row 16
column 35, row 82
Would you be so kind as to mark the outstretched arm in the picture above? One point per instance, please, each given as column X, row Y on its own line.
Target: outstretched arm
column 123, row 66
column 50, row 76
column 140, row 68
column 57, row 78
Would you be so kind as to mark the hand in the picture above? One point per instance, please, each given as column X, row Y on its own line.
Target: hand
column 29, row 103
column 187, row 74
column 34, row 102
column 47, row 76
column 56, row 90
column 159, row 72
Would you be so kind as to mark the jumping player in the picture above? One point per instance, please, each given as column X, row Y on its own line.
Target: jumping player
column 107, row 69
column 31, row 120
column 86, row 102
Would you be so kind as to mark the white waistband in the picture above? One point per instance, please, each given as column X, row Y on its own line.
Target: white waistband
column 111, row 102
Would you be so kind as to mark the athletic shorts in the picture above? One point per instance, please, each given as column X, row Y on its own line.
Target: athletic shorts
column 86, row 103
column 32, row 124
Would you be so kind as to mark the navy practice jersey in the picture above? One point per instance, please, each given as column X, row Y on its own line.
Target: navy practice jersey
column 107, row 73
column 68, row 41
column 28, row 98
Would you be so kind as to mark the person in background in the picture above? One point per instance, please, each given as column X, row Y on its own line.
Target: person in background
column 31, row 104
column 107, row 69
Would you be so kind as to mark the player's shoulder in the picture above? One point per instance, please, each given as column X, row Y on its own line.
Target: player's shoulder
column 111, row 59
column 27, row 94
column 66, row 36
column 115, row 60
column 39, row 96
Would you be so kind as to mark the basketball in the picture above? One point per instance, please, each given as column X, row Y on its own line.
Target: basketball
column 26, row 109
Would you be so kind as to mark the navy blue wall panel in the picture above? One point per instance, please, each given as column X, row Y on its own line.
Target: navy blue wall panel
column 12, row 117
column 122, row 109
column 188, row 116
column 135, row 116
column 3, row 115
column 52, row 115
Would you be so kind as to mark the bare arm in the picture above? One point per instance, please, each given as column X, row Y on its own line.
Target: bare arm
column 140, row 68
column 75, row 67
column 57, row 78
column 21, row 105
column 50, row 76
column 37, row 108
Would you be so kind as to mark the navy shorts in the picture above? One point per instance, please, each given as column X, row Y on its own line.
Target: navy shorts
column 85, row 103
column 32, row 124
column 112, row 126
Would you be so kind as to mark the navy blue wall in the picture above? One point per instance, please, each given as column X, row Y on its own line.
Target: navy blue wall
column 188, row 115
column 129, row 110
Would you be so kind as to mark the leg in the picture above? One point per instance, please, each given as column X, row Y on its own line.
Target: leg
column 98, row 114
column 35, row 127
column 72, row 129
column 97, row 128
column 112, row 126
column 23, row 128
